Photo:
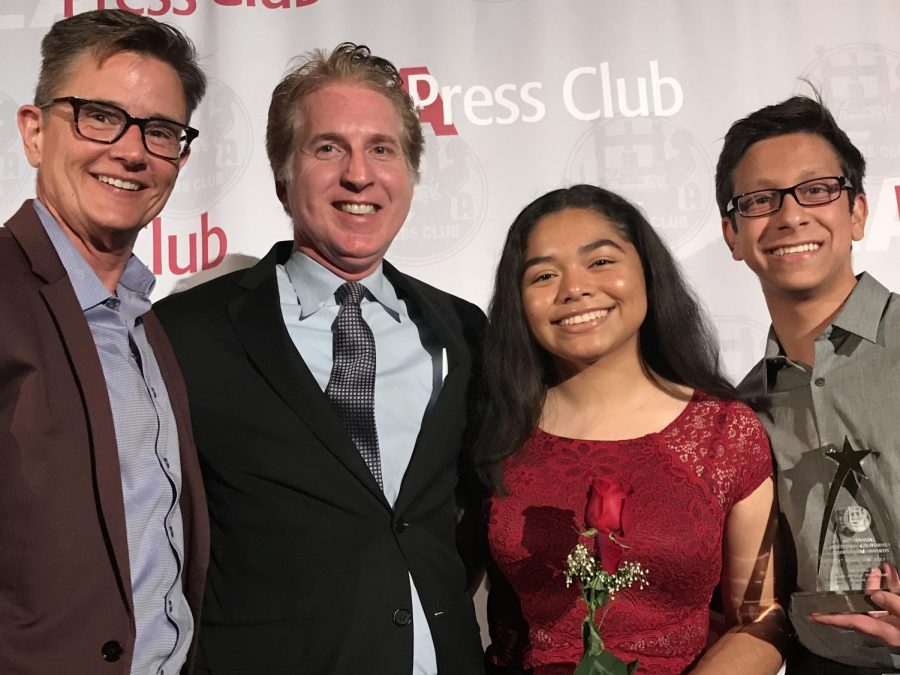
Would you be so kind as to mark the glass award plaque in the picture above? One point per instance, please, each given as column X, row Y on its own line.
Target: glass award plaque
column 857, row 553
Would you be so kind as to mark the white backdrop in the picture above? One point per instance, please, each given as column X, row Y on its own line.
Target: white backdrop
column 519, row 97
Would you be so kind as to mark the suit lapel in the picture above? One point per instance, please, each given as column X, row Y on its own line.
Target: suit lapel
column 440, row 317
column 259, row 325
column 76, row 337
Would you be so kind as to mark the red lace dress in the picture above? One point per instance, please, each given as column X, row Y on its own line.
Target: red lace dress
column 685, row 480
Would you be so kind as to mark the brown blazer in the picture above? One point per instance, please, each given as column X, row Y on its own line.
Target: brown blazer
column 65, row 584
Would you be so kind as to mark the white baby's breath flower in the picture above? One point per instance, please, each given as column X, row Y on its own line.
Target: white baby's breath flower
column 628, row 574
column 581, row 565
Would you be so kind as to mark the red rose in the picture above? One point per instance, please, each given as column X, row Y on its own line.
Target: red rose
column 604, row 507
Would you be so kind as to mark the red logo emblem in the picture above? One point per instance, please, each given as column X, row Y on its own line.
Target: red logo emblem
column 432, row 111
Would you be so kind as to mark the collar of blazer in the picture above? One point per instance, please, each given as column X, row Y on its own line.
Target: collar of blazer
column 258, row 324
column 25, row 227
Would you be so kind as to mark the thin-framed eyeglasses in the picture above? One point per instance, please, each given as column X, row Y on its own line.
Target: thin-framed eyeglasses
column 814, row 192
column 106, row 123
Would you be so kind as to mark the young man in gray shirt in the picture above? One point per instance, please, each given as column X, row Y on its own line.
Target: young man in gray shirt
column 789, row 185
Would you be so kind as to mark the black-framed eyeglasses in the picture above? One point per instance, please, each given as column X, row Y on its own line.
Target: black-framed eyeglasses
column 106, row 123
column 814, row 192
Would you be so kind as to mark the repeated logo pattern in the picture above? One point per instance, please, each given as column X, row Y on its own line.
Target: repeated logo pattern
column 860, row 83
column 655, row 163
column 14, row 169
column 219, row 156
column 742, row 341
column 449, row 204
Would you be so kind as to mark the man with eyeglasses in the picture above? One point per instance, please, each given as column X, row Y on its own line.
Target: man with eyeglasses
column 789, row 185
column 103, row 527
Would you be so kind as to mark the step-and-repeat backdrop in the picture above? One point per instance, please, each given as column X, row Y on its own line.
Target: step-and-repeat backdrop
column 517, row 97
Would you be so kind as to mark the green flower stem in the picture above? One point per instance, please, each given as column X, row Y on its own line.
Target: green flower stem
column 597, row 589
column 602, row 617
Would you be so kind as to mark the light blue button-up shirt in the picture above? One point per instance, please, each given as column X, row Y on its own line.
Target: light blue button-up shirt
column 408, row 377
column 149, row 459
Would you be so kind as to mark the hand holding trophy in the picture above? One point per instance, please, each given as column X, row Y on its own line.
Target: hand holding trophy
column 884, row 623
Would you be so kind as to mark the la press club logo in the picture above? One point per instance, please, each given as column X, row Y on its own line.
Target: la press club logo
column 657, row 164
column 14, row 169
column 156, row 8
column 628, row 147
column 634, row 147
column 860, row 83
column 450, row 200
column 219, row 157
column 741, row 341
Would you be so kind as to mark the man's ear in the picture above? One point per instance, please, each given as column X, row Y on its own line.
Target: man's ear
column 281, row 193
column 30, row 119
column 858, row 217
column 729, row 233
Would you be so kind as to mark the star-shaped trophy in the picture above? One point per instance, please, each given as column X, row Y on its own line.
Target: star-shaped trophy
column 857, row 550
column 854, row 538
column 849, row 461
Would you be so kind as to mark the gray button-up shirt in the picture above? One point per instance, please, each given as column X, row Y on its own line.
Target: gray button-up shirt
column 835, row 430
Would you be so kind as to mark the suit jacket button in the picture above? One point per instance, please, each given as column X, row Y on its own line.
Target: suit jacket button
column 402, row 617
column 400, row 526
column 111, row 651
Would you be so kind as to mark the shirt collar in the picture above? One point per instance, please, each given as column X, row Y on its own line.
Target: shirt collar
column 89, row 290
column 773, row 361
column 773, row 346
column 315, row 285
column 860, row 315
column 863, row 309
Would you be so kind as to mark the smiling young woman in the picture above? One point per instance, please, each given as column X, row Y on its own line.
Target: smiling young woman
column 599, row 365
column 583, row 290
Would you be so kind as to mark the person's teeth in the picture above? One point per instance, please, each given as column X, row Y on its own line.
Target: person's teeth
column 121, row 184
column 785, row 250
column 582, row 318
column 357, row 209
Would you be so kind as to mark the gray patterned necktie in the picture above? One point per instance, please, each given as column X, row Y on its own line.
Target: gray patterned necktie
column 351, row 387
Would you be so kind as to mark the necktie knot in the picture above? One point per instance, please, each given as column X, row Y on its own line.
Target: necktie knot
column 350, row 293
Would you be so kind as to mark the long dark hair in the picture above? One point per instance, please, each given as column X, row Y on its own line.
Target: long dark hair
column 676, row 342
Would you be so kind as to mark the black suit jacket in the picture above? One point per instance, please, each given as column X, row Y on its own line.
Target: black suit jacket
column 309, row 564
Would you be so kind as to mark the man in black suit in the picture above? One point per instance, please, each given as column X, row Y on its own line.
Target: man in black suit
column 328, row 394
